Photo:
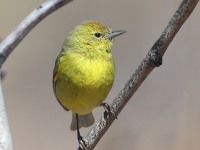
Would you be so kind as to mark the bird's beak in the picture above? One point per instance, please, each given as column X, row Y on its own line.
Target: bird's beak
column 115, row 33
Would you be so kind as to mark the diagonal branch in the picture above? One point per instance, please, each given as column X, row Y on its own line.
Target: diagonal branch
column 37, row 15
column 153, row 59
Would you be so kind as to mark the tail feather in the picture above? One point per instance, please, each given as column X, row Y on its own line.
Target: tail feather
column 83, row 120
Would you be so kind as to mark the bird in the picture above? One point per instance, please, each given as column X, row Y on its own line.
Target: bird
column 84, row 71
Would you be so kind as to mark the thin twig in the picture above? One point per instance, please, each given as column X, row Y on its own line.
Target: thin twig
column 5, row 136
column 152, row 60
column 8, row 45
column 37, row 15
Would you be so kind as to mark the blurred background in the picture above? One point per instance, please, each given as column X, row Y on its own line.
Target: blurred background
column 163, row 114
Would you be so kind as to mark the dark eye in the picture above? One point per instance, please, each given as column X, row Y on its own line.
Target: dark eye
column 97, row 35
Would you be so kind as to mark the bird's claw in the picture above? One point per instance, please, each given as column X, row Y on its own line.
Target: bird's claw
column 82, row 144
column 108, row 110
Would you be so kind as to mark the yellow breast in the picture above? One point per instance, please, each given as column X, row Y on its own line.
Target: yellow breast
column 83, row 83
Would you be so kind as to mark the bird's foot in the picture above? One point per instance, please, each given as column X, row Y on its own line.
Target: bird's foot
column 108, row 110
column 82, row 143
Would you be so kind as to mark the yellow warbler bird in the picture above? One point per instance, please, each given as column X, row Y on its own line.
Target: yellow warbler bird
column 84, row 71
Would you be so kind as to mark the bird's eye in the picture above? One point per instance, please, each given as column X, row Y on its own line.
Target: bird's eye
column 97, row 35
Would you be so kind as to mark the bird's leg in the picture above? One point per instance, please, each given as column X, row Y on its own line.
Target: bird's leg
column 77, row 127
column 82, row 144
column 108, row 110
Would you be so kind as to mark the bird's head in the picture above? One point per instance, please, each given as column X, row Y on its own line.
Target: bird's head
column 92, row 36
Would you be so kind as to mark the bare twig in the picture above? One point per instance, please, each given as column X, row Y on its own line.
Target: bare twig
column 8, row 45
column 37, row 15
column 5, row 136
column 152, row 60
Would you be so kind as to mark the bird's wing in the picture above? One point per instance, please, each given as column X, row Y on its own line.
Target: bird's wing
column 55, row 79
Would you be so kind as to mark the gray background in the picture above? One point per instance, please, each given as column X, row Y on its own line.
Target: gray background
column 163, row 114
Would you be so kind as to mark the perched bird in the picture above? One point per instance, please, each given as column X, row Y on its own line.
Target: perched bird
column 84, row 71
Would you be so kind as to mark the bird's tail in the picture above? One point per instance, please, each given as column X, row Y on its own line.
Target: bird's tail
column 83, row 120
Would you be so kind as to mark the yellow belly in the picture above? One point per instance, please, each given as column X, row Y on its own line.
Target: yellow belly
column 82, row 84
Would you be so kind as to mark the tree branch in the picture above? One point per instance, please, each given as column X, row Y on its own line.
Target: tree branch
column 8, row 45
column 5, row 136
column 37, row 15
column 153, row 59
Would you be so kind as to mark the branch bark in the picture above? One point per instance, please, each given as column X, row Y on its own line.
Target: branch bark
column 5, row 136
column 9, row 44
column 153, row 59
